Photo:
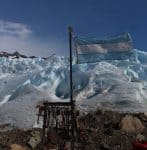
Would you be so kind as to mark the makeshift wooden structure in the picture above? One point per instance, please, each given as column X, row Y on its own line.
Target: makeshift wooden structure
column 59, row 118
column 58, row 124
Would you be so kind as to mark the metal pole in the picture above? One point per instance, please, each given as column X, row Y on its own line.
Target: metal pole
column 70, row 57
column 71, row 88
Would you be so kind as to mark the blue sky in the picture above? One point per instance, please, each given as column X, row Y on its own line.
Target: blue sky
column 39, row 27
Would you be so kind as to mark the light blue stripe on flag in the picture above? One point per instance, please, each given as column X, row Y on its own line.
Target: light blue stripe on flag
column 115, row 48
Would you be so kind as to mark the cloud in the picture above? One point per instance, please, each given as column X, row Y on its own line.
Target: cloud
column 19, row 37
column 8, row 28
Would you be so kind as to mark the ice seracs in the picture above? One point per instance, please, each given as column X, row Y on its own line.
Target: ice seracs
column 115, row 84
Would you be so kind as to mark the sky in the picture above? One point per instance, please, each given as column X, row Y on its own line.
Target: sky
column 39, row 27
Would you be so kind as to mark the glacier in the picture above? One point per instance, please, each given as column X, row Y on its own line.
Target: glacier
column 119, row 85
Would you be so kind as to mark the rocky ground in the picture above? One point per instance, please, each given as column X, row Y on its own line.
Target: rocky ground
column 100, row 130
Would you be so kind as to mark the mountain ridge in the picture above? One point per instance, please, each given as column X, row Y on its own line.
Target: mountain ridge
column 14, row 55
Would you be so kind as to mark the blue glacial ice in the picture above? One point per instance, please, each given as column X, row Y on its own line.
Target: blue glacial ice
column 120, row 85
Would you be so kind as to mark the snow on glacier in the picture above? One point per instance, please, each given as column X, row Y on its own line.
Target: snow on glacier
column 117, row 84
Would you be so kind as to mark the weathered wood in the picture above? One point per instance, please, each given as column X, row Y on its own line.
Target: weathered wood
column 58, row 117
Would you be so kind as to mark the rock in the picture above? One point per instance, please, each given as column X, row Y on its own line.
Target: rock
column 34, row 140
column 140, row 137
column 3, row 147
column 145, row 114
column 104, row 146
column 18, row 147
column 4, row 125
column 108, row 131
column 131, row 124
column 107, row 124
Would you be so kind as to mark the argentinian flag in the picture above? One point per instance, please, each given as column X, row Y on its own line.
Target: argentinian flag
column 115, row 48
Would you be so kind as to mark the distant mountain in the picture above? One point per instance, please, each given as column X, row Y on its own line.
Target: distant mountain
column 14, row 55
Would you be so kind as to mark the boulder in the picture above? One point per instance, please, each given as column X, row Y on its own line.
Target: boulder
column 131, row 124
column 140, row 137
column 145, row 114
column 35, row 139
column 18, row 147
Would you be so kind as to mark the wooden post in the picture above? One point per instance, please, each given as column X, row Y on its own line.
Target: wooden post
column 44, row 125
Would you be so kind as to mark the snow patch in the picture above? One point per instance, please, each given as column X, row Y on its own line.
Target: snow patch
column 5, row 100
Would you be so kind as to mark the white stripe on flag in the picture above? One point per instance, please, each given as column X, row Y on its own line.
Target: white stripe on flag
column 103, row 48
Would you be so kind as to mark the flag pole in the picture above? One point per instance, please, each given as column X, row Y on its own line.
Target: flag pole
column 70, row 30
column 70, row 57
